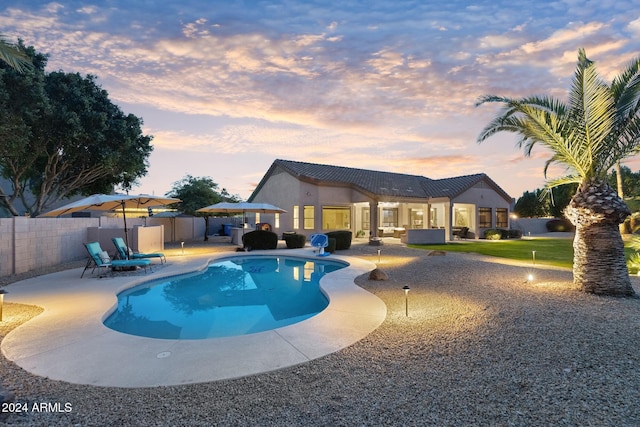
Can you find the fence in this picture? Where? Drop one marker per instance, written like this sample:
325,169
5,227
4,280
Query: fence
32,243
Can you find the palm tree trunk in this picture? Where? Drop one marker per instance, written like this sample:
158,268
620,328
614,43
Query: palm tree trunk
599,265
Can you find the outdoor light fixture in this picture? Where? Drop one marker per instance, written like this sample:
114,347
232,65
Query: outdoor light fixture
2,292
406,289
182,244
379,255
530,277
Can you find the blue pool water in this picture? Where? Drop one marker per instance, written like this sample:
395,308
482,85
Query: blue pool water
237,296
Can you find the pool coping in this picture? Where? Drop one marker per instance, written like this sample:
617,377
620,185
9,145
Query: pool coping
69,342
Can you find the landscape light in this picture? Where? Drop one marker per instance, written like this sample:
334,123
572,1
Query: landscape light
406,289
182,244
379,255
2,292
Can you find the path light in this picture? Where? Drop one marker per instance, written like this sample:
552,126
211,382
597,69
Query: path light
2,292
406,289
379,256
182,244
530,275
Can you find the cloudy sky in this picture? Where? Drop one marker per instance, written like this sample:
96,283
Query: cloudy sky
226,87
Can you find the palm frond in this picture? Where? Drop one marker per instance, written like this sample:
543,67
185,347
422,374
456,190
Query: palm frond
13,56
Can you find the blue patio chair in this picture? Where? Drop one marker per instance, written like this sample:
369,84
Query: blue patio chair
122,248
100,259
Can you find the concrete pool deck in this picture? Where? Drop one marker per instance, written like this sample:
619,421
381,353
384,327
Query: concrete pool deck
69,342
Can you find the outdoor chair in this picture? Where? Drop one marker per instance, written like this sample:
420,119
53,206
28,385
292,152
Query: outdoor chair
460,232
122,248
100,259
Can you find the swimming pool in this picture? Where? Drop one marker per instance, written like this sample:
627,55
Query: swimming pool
235,296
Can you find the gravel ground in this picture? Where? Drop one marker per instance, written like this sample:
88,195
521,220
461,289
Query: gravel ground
480,347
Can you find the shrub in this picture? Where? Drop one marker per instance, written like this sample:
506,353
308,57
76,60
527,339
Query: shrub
260,239
343,238
557,225
493,234
633,264
294,240
515,234
331,247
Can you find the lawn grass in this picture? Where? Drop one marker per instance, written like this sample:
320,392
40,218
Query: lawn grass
557,252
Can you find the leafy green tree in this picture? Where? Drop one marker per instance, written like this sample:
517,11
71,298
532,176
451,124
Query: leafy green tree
630,181
61,136
598,127
529,205
196,193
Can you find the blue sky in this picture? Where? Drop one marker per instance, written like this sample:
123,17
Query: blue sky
226,87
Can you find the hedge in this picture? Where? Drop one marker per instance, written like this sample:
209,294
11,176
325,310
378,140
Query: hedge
343,238
260,239
294,240
556,225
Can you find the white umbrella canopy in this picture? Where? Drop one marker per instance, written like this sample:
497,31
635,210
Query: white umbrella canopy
228,207
108,202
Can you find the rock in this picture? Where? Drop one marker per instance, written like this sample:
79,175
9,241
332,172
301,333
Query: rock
437,253
378,274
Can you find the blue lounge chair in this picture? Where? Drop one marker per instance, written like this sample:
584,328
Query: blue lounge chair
100,259
122,248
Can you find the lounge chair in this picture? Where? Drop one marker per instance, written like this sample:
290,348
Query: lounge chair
122,248
100,259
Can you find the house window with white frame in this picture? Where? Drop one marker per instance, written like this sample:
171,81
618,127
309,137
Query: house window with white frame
296,217
309,217
336,218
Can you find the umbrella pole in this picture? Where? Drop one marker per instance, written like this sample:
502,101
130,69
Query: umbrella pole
126,233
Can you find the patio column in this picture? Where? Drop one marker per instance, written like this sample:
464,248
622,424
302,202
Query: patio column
448,220
373,219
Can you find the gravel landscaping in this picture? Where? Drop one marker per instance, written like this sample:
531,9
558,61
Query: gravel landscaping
481,346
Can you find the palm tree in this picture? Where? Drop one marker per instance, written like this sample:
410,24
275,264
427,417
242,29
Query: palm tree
598,127
13,56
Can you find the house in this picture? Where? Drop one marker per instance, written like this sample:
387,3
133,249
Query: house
320,198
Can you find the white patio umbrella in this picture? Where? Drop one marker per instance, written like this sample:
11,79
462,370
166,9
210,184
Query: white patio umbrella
229,207
109,202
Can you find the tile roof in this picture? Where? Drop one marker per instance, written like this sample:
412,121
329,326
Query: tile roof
379,183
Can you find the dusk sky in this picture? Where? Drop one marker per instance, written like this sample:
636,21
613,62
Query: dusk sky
226,87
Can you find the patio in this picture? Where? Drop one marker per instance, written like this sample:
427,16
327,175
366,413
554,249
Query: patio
480,346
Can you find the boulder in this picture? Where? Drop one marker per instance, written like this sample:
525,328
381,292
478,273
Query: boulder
378,274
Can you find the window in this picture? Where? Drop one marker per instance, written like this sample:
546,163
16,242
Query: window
484,216
336,217
390,217
366,219
434,218
502,217
416,218
296,217
309,220
462,217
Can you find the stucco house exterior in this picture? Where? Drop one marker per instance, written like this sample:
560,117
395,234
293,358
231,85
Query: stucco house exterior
320,198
